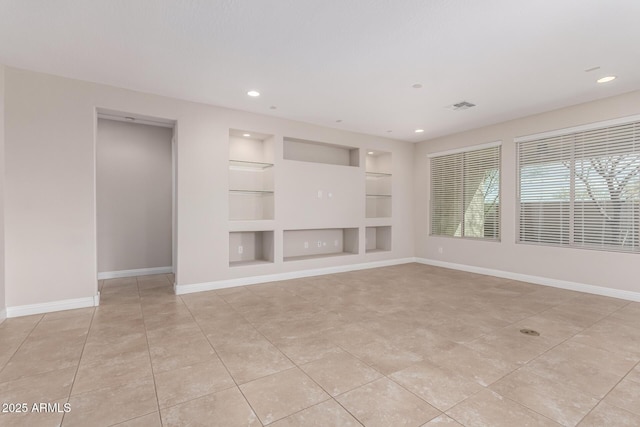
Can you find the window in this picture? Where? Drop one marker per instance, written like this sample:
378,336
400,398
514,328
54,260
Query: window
582,188
465,193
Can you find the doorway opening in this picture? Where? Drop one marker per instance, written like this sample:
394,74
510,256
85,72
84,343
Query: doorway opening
135,173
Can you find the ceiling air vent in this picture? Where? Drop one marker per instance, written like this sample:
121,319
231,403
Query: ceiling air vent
464,105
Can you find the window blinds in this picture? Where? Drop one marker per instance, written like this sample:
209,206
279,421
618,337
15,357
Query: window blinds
465,194
582,189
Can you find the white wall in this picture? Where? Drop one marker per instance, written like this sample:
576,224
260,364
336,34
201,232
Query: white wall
605,269
50,192
133,182
2,273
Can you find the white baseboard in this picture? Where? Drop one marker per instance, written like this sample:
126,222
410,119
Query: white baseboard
131,273
243,281
3,314
563,284
48,307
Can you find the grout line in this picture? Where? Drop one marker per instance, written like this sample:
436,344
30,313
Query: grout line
146,337
75,375
237,386
21,344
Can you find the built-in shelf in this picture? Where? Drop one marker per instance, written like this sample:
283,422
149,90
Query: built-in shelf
250,248
378,184
250,165
377,239
251,190
377,174
319,243
307,257
266,192
320,152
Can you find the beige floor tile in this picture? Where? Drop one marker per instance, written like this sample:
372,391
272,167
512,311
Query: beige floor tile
443,421
308,348
227,408
44,354
47,387
472,364
625,395
384,403
253,359
280,395
490,409
628,315
324,414
101,348
152,278
383,356
111,372
176,353
563,404
608,415
634,375
149,420
190,382
80,312
588,369
611,336
340,372
440,387
442,333
511,346
549,327
113,405
35,419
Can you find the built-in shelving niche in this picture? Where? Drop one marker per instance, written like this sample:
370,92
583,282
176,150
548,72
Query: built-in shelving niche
320,152
319,243
251,191
250,248
377,239
378,184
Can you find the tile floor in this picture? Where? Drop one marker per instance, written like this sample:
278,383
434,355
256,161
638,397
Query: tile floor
407,345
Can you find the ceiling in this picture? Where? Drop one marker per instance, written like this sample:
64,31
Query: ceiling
347,64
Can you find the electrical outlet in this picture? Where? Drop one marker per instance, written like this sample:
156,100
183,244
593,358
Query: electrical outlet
306,245
330,195
240,250
319,243
319,194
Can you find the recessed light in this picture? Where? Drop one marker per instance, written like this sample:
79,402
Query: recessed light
389,131
416,86
246,134
338,121
419,130
253,93
131,119
370,153
606,79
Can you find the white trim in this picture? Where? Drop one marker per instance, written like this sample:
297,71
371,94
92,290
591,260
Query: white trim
545,281
252,280
581,128
48,307
3,314
136,272
465,149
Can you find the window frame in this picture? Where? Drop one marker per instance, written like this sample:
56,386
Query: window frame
565,132
463,150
